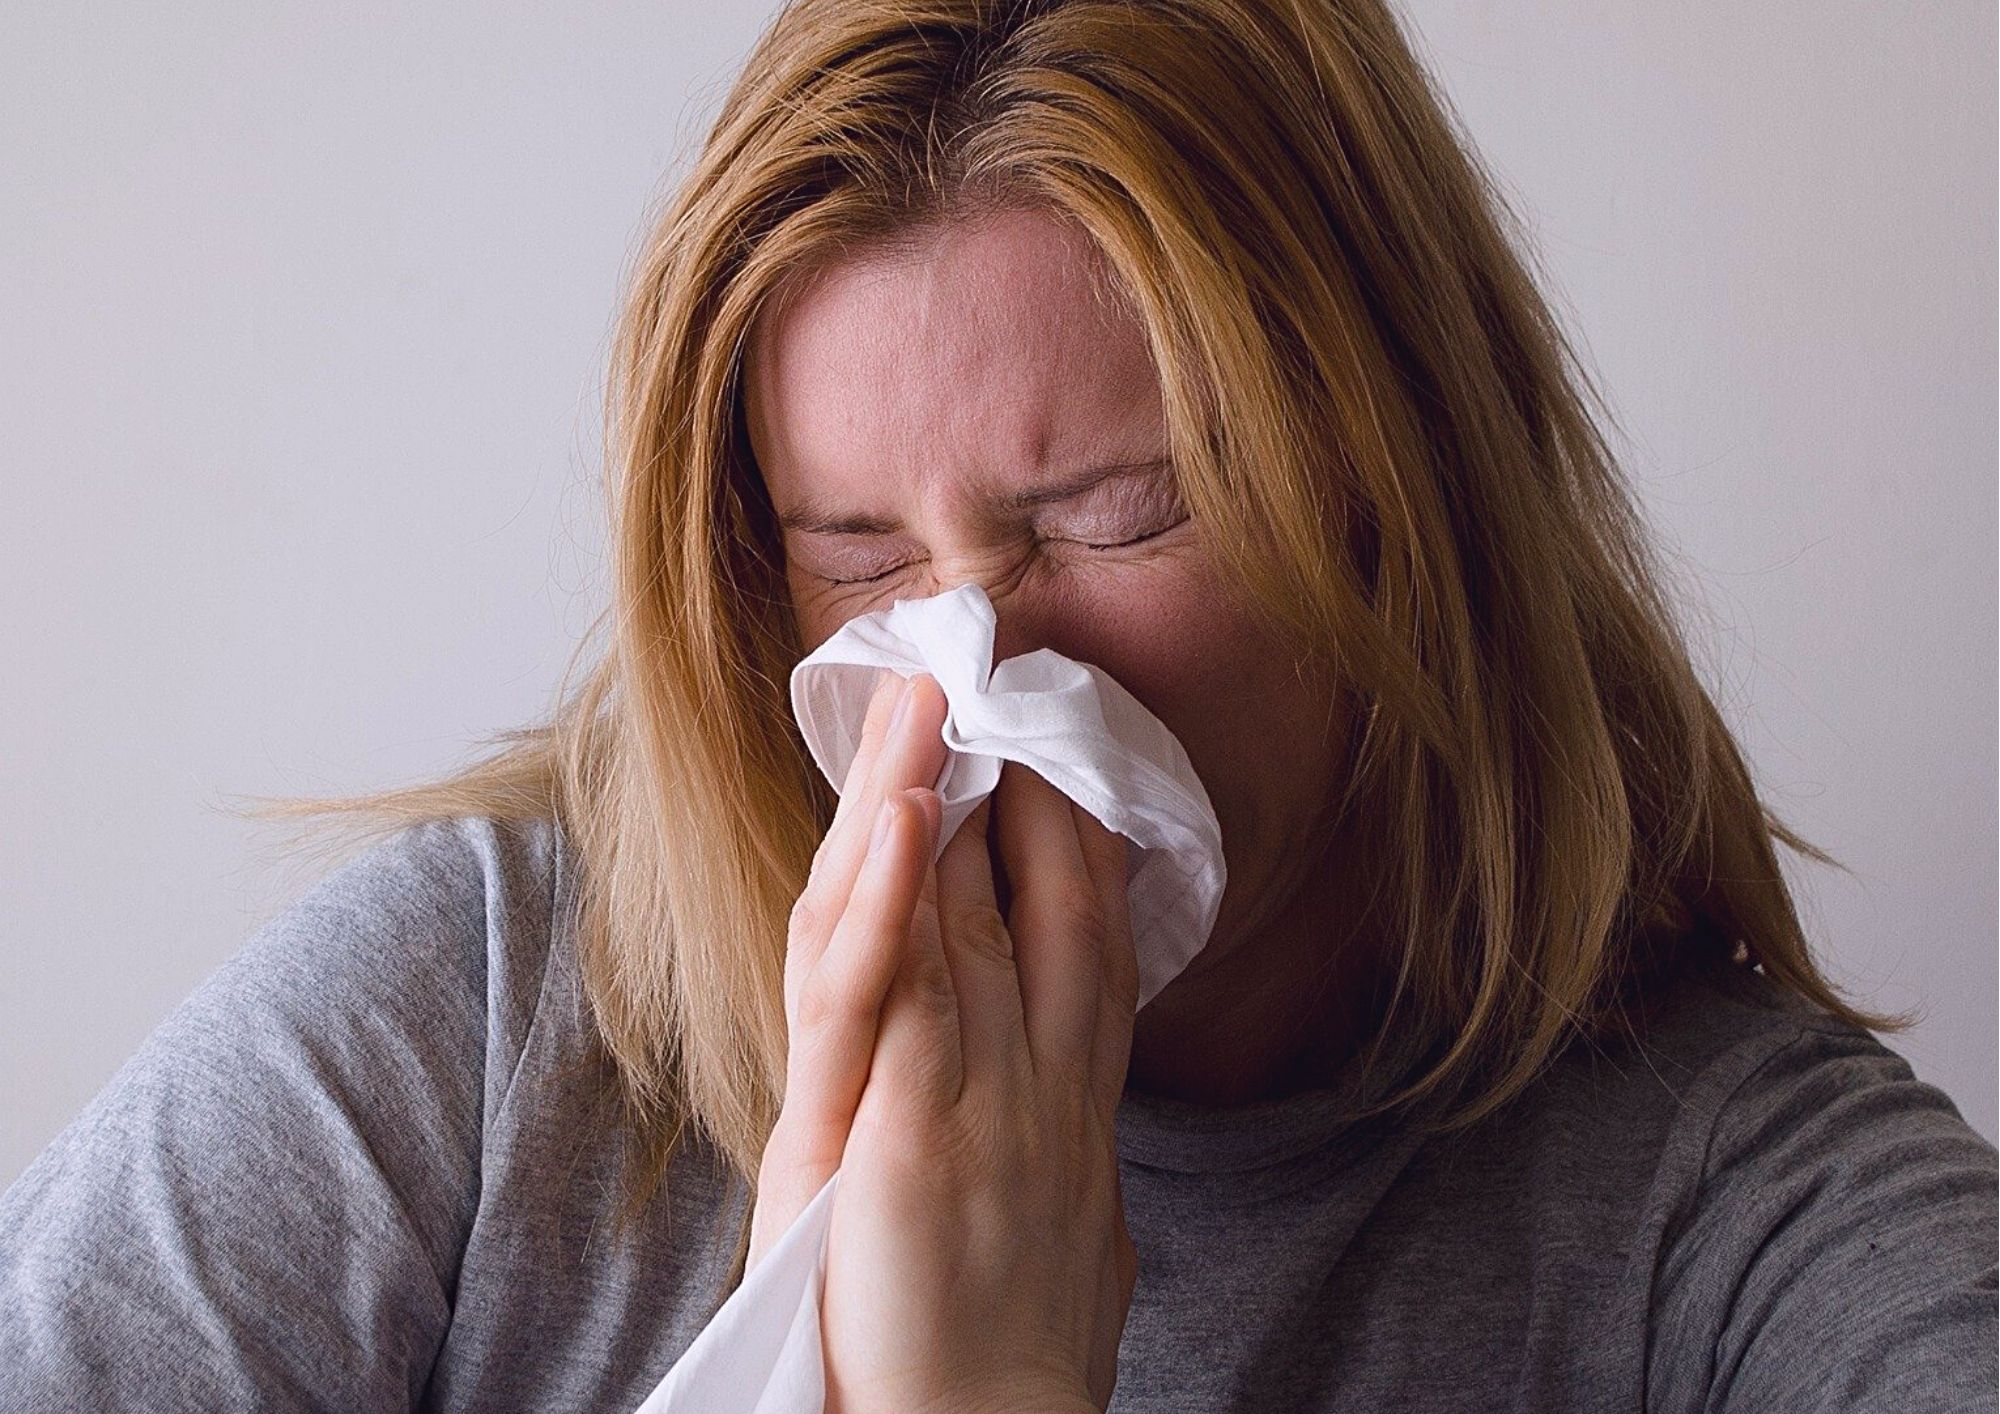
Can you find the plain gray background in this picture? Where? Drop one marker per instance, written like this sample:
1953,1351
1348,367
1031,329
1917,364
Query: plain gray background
303,314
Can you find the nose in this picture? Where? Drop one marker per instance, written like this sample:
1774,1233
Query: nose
1011,638
1023,620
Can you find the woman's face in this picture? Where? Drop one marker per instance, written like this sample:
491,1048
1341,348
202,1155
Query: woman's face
972,414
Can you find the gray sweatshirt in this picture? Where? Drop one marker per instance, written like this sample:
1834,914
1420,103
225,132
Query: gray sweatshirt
368,1166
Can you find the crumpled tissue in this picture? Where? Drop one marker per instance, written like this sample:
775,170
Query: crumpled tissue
1087,736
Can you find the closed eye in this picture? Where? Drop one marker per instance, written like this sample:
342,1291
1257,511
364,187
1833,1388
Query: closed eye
1084,544
1137,539
864,579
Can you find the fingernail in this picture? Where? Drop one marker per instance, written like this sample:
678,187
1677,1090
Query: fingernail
885,815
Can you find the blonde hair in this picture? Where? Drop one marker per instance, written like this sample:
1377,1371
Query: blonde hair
1375,417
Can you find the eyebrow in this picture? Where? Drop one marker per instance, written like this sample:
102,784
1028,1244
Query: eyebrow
815,518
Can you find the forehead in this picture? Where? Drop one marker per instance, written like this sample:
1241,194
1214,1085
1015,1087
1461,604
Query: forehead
996,347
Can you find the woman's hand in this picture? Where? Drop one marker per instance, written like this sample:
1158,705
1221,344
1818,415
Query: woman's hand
963,1072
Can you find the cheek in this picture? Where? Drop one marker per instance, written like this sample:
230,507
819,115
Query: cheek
1175,647
1185,648
1261,740
819,608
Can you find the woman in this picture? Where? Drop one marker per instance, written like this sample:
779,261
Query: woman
1192,333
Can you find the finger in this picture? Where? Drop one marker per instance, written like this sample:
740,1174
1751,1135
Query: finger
1106,855
834,1034
1056,918
919,1056
902,751
992,1033
811,909
882,701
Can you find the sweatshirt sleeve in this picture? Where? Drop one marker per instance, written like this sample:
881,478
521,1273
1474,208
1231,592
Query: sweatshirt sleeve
1839,1252
265,1207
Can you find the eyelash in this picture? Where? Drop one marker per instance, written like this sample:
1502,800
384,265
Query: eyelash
1114,545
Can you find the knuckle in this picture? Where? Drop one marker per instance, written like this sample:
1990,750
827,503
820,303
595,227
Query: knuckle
1083,912
930,982
976,927
798,1166
901,1117
807,918
825,1004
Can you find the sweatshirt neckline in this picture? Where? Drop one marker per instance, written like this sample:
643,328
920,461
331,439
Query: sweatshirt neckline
1158,1131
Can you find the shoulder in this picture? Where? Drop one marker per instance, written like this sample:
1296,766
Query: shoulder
1824,1218
1721,1064
305,1133
444,896
1752,1203
1619,1128
1763,1083
416,964
451,917
1756,1095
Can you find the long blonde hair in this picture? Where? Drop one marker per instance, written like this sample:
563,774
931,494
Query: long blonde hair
1382,428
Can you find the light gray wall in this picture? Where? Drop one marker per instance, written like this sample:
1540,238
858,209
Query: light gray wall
302,317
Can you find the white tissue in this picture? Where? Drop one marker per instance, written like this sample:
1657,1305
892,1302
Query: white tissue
1094,742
